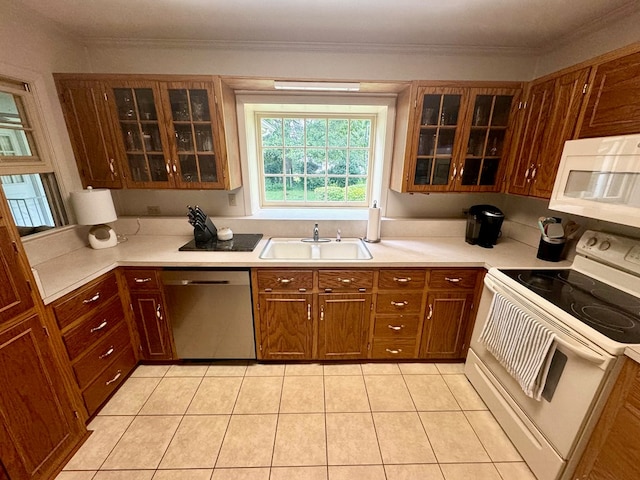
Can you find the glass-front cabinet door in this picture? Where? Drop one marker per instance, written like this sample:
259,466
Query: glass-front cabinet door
437,139
140,123
482,161
191,132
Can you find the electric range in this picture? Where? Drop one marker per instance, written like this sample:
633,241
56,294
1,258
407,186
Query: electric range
241,242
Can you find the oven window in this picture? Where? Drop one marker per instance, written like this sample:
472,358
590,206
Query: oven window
619,188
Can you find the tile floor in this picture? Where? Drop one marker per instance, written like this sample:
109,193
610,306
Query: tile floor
279,422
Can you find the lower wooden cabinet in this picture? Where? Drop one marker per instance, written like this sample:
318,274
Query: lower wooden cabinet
343,330
446,325
38,427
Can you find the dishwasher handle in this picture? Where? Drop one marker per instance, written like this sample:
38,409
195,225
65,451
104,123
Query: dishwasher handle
196,282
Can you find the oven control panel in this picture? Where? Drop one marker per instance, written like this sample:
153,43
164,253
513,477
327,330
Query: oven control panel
616,250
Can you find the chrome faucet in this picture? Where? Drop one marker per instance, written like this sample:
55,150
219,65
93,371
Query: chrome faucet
316,233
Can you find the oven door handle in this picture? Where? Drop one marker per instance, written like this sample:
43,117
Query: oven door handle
576,349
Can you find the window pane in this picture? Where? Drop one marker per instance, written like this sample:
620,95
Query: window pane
336,191
294,160
271,132
272,160
294,132
316,161
316,189
274,189
316,132
358,162
338,133
295,189
16,139
337,162
357,190
360,133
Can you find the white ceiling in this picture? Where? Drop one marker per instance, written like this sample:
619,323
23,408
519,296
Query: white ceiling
518,24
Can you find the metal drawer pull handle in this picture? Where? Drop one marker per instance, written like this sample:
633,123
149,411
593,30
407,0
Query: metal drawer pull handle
453,280
308,311
395,352
430,312
395,327
142,280
99,327
322,312
346,281
92,299
399,304
402,279
107,353
109,382
284,280
158,312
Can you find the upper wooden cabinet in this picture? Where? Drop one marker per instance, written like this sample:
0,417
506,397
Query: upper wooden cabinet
614,98
145,132
455,140
548,119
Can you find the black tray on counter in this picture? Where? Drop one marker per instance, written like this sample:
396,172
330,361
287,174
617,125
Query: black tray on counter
241,242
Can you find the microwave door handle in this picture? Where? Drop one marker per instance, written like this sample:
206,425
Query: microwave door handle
576,349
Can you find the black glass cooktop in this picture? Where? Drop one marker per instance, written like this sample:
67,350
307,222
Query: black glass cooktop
241,242
608,310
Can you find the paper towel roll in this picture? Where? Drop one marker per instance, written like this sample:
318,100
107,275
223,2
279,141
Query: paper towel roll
373,225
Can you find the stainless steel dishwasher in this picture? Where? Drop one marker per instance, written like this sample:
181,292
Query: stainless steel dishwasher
210,312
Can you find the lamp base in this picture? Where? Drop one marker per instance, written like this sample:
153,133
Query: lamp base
102,236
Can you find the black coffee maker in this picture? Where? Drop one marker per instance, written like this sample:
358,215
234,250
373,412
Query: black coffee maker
483,225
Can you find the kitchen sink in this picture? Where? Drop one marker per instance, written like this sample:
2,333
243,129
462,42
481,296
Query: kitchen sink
296,249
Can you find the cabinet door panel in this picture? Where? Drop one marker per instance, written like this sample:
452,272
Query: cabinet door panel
152,324
446,324
286,326
343,326
15,294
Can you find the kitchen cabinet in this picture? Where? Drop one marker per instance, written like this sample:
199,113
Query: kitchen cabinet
613,451
449,312
154,132
457,139
548,119
15,295
150,313
613,107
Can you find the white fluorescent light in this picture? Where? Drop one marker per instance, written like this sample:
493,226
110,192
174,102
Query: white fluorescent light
317,86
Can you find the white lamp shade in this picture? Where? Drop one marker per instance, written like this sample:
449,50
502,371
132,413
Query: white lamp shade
93,206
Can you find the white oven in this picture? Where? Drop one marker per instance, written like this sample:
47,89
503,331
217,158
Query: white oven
550,434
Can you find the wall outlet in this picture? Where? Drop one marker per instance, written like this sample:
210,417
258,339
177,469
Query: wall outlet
232,200
153,210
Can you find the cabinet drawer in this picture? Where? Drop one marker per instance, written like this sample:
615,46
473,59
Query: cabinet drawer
345,279
288,280
85,300
460,278
395,348
394,326
142,279
93,328
100,356
109,380
402,279
399,302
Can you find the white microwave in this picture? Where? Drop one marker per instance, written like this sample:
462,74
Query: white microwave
600,178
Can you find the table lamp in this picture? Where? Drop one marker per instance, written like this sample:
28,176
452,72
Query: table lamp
95,207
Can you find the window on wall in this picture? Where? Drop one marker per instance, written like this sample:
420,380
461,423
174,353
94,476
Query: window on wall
315,160
17,132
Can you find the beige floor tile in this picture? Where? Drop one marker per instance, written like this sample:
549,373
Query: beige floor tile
143,444
131,396
187,371
215,395
248,442
259,395
380,369
388,393
124,475
450,368
466,471
351,439
418,368
342,369
304,369
430,393
106,433
241,474
492,437
265,370
227,369
452,438
172,396
304,394
150,371
365,472
514,471
300,440
190,474
464,393
413,472
79,475
345,394
196,443
298,473
402,438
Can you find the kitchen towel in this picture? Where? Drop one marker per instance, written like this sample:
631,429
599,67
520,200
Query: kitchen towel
520,343
373,224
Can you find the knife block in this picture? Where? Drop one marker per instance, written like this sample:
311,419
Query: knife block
205,233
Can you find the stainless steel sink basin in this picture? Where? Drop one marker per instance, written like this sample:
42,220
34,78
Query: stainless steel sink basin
296,249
